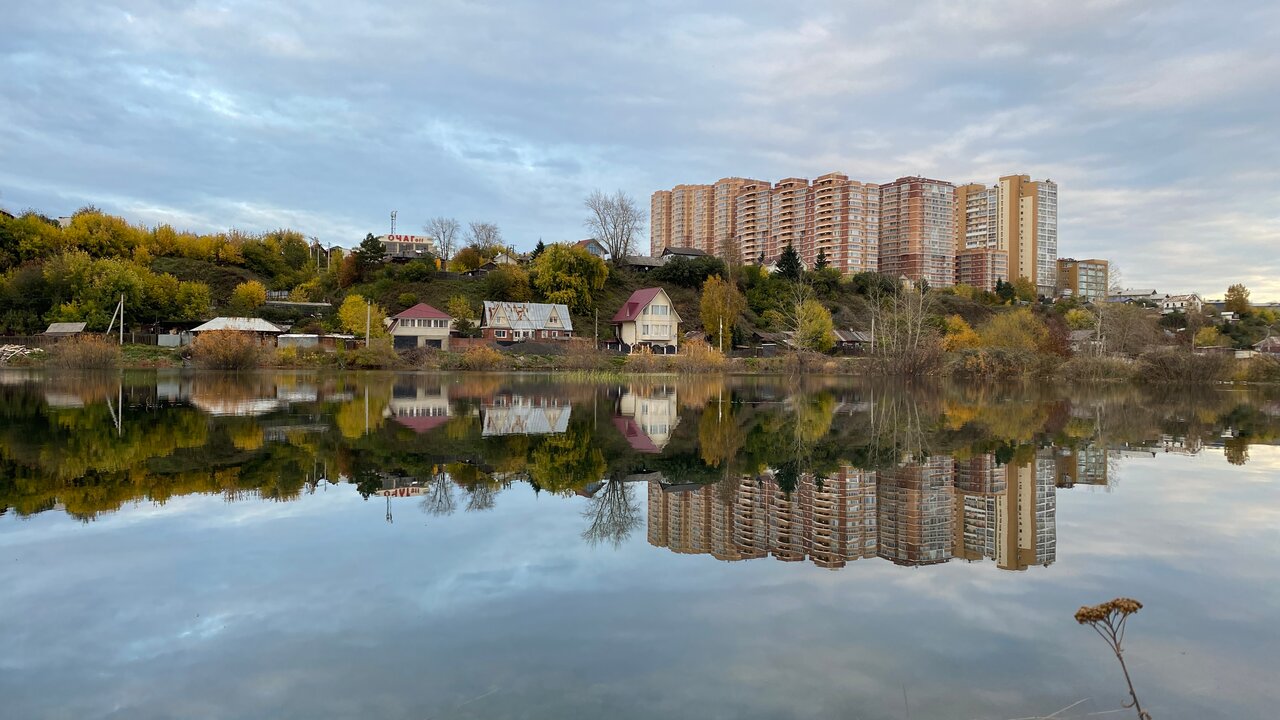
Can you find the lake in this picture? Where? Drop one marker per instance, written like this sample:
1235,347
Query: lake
309,545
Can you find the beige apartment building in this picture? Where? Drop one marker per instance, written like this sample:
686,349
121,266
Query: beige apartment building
1018,217
845,224
1085,279
696,216
752,210
917,230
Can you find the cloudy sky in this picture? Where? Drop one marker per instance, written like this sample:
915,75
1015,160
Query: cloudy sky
1158,119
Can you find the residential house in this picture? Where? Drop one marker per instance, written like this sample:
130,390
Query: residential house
1132,295
648,318
1181,303
1269,345
503,258
420,326
265,332
514,321
854,341
594,247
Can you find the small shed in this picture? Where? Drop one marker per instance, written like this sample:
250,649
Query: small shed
64,329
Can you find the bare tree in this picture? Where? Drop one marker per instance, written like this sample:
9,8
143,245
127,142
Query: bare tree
615,221
904,338
445,230
613,512
485,237
439,498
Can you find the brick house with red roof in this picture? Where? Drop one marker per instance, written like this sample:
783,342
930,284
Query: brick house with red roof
420,326
648,318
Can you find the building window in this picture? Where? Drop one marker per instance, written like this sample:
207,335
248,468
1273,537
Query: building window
500,333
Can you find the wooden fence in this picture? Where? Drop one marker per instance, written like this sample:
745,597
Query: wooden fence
43,341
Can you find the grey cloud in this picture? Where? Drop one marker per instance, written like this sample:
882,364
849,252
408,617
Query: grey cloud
332,114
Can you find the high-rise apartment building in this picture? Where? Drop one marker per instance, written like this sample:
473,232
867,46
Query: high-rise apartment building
1017,217
846,224
751,219
917,230
1027,227
1085,279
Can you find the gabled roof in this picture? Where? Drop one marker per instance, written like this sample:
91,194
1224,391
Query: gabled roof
420,311
639,299
65,328
687,251
525,316
853,336
242,324
635,435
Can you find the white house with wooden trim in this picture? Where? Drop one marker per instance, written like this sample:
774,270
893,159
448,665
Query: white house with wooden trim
648,319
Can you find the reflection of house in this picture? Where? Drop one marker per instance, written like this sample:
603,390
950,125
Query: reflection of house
648,319
648,418
511,321
419,407
524,415
420,326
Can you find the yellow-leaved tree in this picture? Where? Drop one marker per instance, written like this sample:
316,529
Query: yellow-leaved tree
247,297
355,313
959,334
814,328
722,306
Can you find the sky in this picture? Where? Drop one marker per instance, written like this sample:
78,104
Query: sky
1157,119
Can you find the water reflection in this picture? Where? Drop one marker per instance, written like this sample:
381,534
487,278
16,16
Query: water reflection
829,472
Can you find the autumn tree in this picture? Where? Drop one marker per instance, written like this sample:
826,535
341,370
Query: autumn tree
1080,319
814,327
569,274
464,316
445,231
510,283
247,297
1208,336
466,260
722,308
959,335
356,313
1237,300
1019,329
615,221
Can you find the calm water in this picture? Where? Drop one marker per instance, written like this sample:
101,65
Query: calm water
442,546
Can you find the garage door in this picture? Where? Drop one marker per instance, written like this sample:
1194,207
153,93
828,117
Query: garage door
406,342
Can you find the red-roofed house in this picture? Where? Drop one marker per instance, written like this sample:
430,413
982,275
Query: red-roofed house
648,318
420,326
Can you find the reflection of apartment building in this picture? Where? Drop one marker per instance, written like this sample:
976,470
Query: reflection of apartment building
914,505
646,417
917,230
1083,466
1006,513
828,521
524,415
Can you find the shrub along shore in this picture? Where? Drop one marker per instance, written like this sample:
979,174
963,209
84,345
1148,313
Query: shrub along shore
228,350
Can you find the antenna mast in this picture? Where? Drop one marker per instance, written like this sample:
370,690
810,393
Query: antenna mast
393,222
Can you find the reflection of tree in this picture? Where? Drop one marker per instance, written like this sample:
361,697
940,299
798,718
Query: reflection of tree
565,463
613,514
439,498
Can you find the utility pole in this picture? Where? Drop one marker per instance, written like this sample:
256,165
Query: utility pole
722,334
368,317
121,319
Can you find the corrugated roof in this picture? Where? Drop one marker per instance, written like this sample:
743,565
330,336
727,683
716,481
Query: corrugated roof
630,309
421,311
526,316
65,328
242,324
686,251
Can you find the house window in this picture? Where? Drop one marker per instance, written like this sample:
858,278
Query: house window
500,333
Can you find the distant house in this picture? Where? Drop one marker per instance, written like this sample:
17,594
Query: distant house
64,329
512,321
594,247
858,341
481,271
1269,345
1084,341
420,326
648,319
504,259
1181,303
265,331
685,252
1131,295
